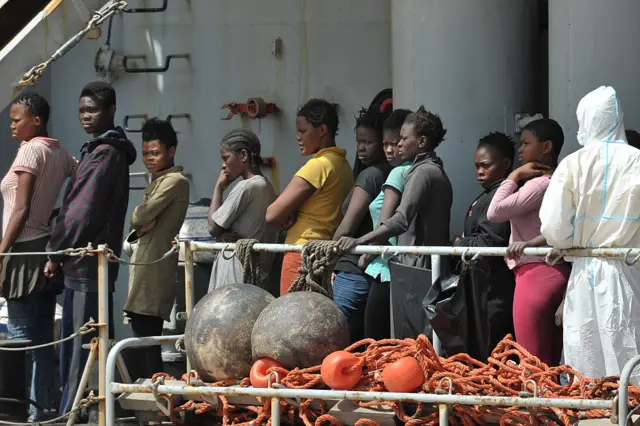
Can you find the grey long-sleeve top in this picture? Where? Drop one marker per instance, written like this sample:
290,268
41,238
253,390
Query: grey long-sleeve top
422,218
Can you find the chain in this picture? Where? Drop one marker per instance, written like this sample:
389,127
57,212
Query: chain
84,403
98,18
179,345
79,252
87,328
113,258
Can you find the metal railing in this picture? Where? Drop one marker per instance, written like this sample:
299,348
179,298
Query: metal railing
99,345
552,256
109,360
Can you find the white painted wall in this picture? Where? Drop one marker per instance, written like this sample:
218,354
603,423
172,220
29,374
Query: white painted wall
471,62
337,49
592,43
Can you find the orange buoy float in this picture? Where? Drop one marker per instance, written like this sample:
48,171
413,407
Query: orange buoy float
341,370
403,375
258,374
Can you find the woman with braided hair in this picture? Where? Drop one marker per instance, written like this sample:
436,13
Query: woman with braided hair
242,213
371,168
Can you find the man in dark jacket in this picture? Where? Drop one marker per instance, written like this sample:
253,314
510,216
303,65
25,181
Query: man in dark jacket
93,211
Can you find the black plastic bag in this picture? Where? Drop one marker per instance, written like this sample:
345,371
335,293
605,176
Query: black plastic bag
446,309
456,307
409,286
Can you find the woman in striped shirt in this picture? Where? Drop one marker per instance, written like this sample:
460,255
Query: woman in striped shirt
29,191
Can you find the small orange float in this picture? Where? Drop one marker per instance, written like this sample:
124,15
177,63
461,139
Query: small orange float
403,375
341,370
258,374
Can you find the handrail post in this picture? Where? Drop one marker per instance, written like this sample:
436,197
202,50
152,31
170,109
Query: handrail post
189,296
435,276
103,331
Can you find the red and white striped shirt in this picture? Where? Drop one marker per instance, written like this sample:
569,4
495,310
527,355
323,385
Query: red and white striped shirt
51,165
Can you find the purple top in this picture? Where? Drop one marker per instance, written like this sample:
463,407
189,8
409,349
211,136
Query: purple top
522,208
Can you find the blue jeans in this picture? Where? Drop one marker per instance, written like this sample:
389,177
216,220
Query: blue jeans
350,292
31,317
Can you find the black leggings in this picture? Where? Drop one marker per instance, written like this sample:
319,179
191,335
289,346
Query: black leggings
149,360
377,313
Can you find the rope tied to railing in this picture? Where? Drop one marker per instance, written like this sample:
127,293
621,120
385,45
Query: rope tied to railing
318,260
84,403
250,261
88,327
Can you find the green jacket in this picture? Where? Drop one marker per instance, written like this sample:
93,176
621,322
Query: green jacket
152,288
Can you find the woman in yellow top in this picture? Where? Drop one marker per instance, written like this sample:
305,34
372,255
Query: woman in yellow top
310,206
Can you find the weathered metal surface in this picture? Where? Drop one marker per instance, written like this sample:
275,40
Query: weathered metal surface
45,34
112,360
145,401
467,252
348,413
104,343
576,404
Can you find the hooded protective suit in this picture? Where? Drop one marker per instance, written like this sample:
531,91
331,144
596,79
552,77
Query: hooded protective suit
593,201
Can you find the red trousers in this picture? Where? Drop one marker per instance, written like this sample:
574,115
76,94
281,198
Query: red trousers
290,265
539,291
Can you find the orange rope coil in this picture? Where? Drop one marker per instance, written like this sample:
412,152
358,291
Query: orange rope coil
499,376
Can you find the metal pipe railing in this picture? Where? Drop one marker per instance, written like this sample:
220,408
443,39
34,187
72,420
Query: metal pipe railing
623,390
110,367
442,400
629,255
103,331
625,253
430,398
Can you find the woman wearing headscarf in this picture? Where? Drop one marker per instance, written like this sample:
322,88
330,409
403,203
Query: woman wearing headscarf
593,201
242,213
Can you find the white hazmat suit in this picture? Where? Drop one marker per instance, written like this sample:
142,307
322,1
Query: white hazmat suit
593,201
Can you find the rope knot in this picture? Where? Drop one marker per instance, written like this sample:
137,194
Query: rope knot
250,261
318,260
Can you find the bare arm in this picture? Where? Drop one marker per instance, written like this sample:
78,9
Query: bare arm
293,196
382,233
20,213
509,202
356,212
389,204
515,250
216,201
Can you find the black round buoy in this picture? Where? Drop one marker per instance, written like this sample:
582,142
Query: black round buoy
299,329
218,333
